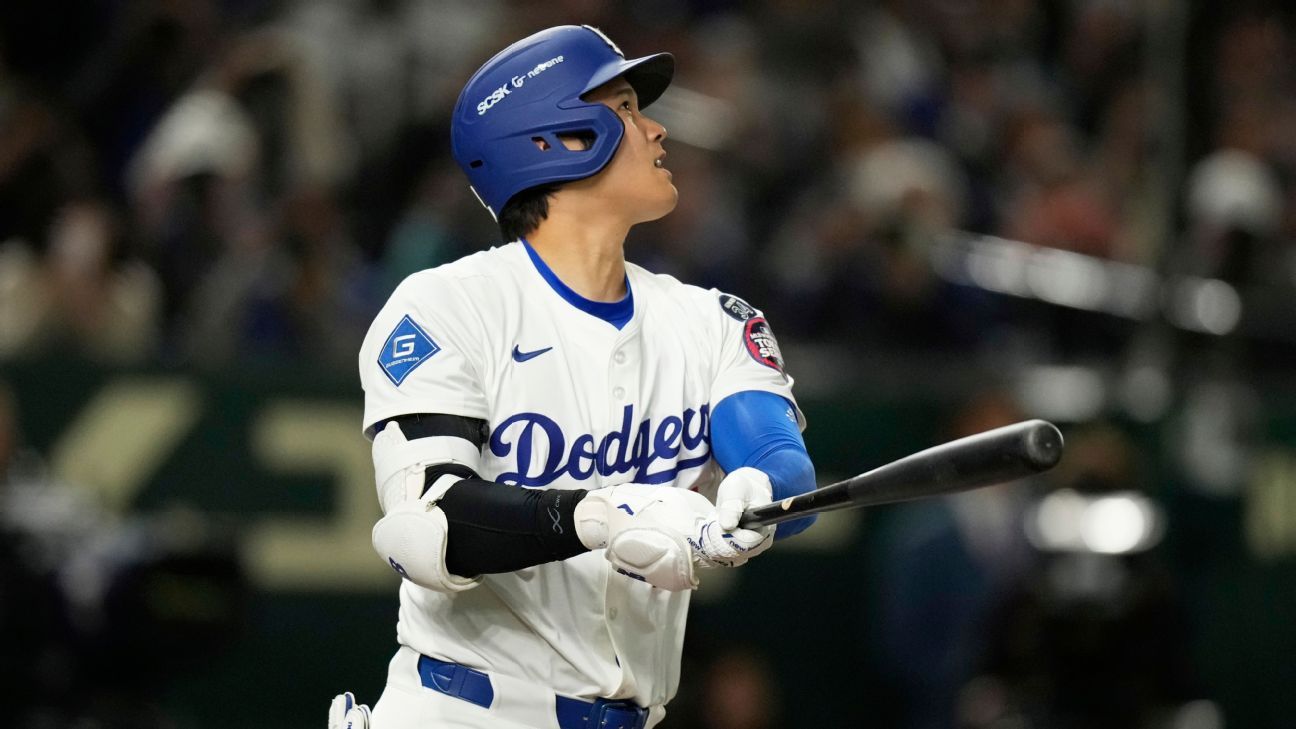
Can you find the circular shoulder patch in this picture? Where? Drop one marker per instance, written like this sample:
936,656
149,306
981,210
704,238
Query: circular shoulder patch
736,307
761,344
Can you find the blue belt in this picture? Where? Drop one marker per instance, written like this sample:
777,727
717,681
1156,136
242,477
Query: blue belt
475,687
599,714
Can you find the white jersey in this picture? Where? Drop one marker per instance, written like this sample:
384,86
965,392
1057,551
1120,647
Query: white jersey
572,402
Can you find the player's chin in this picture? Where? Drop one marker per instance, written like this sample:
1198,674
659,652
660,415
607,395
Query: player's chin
654,198
657,205
666,200
662,210
672,199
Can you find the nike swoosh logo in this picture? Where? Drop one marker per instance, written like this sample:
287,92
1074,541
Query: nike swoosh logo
520,356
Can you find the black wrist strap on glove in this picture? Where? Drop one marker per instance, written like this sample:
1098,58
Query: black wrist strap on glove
494,527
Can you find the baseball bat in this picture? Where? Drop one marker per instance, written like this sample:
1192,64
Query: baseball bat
992,457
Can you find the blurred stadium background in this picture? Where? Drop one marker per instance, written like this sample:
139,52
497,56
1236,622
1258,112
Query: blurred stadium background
957,213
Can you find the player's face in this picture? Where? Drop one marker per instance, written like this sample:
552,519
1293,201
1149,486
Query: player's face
636,180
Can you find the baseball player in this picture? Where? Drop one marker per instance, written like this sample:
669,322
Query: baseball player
561,439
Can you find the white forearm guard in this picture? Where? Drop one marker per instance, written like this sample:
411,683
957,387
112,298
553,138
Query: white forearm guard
411,538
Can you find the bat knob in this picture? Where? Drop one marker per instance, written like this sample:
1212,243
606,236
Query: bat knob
1043,445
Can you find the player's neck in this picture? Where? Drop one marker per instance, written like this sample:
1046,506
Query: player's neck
588,257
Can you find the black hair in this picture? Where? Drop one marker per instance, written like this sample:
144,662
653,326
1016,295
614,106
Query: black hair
524,212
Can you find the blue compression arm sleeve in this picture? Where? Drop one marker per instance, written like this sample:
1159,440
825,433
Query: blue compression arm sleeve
759,429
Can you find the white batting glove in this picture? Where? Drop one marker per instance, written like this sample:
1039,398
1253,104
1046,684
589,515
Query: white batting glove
744,488
345,713
740,490
643,530
716,546
661,534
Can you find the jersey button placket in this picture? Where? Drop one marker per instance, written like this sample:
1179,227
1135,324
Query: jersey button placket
623,375
616,598
623,379
619,374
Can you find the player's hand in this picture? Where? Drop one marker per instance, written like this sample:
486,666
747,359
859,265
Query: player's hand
345,713
712,545
661,534
740,490
716,546
644,532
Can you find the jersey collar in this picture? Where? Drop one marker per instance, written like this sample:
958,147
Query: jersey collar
616,313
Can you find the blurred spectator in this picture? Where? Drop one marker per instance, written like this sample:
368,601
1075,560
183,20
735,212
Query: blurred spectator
76,296
442,222
44,161
193,192
238,193
1094,634
734,687
1235,208
1100,52
740,693
947,563
99,611
1051,202
30,619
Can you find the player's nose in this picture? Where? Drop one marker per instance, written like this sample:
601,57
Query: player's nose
655,131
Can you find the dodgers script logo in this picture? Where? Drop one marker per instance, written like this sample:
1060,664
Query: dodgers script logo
656,452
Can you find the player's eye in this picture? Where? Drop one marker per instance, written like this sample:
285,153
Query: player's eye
625,106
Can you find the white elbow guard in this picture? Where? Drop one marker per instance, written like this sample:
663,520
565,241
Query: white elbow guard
400,464
411,538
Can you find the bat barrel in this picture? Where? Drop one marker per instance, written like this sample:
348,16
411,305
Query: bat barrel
995,456
1041,444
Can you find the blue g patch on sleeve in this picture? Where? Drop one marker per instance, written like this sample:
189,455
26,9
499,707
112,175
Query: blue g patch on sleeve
405,349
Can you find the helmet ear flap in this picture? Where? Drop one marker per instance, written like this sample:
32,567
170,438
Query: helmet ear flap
532,163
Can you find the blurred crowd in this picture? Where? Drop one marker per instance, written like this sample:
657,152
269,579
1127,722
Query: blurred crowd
99,611
199,182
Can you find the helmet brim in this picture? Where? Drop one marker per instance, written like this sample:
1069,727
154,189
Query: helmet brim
648,76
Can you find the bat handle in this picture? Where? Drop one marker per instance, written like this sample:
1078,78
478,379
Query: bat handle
752,519
794,507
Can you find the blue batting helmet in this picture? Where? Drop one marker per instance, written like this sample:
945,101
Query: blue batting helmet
532,91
